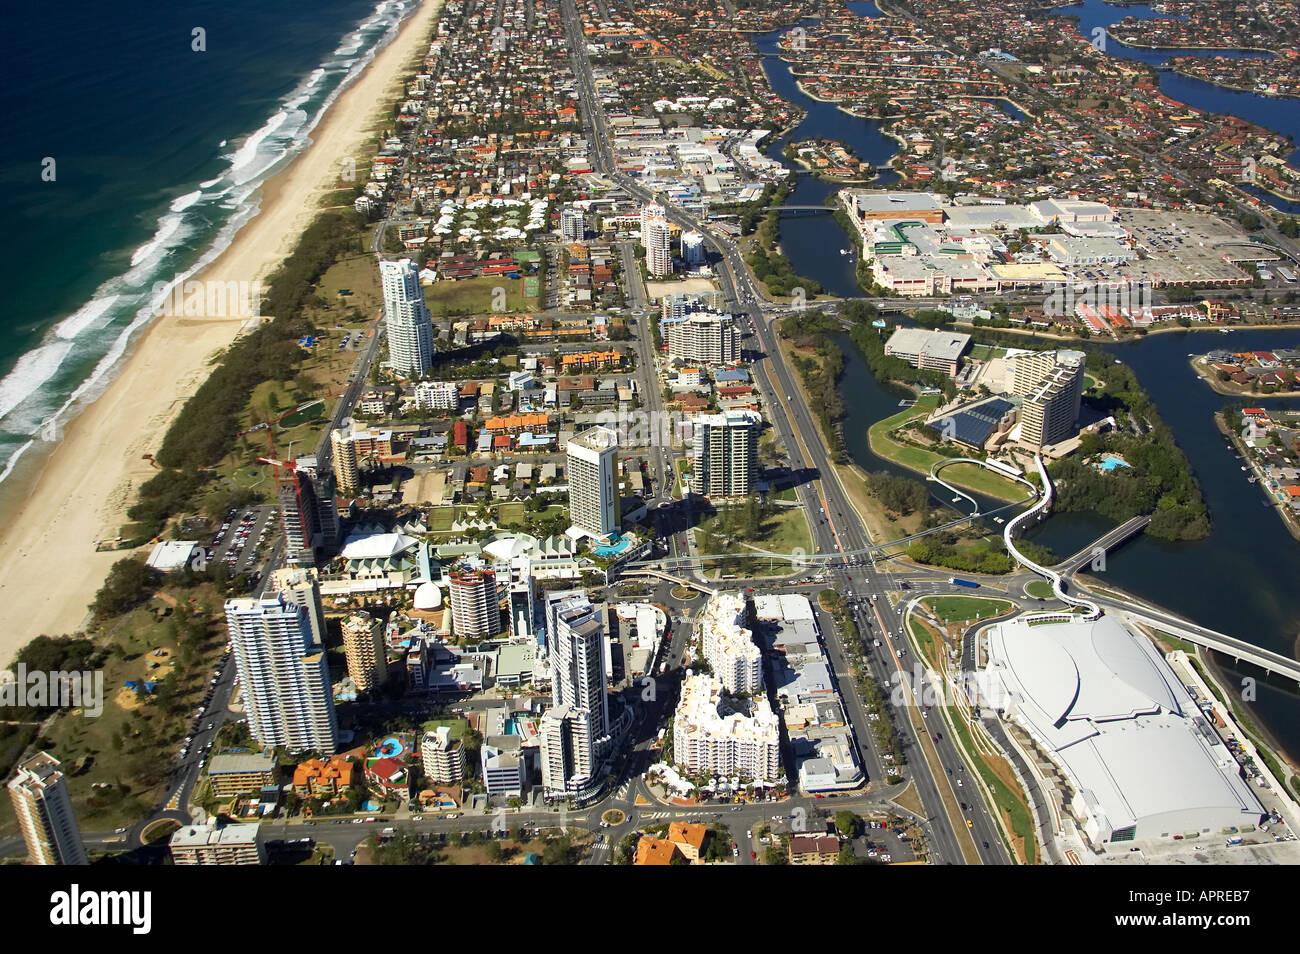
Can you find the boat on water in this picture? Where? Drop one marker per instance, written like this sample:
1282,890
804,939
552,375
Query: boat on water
844,251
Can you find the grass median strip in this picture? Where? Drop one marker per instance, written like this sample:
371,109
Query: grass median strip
1008,797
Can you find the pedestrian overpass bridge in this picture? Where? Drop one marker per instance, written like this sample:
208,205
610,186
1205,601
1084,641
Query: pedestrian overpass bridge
1238,649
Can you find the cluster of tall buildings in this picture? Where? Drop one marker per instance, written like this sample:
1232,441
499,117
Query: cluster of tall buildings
409,323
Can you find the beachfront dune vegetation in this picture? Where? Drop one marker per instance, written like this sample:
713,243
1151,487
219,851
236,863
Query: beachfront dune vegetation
206,428
129,583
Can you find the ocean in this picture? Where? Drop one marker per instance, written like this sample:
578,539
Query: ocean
132,158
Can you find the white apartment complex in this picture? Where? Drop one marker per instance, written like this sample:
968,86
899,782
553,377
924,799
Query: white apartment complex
437,396
702,338
729,646
410,326
710,737
693,250
572,224
592,459
443,757
568,752
218,845
280,656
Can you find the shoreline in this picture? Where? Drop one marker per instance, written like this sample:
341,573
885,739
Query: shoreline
1165,327
1288,521
1230,86
1199,365
1213,670
63,501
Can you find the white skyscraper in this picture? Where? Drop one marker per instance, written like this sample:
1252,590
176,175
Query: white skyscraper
576,650
593,497
693,252
656,236
44,811
575,731
651,211
567,752
277,641
572,225
475,606
410,326
729,645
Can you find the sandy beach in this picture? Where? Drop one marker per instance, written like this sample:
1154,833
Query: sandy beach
49,569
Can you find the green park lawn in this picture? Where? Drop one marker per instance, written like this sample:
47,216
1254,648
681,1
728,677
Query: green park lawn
954,609
474,296
967,476
1039,589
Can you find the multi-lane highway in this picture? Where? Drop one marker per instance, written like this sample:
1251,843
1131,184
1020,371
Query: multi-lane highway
836,527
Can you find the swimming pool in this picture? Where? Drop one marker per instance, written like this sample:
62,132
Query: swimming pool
1109,463
390,748
612,549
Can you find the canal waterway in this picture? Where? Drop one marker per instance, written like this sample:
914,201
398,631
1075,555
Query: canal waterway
1242,579
1272,112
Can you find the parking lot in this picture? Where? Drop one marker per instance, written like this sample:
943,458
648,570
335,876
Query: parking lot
242,535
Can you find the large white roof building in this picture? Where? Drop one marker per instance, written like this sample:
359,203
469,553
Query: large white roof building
729,646
710,736
1104,706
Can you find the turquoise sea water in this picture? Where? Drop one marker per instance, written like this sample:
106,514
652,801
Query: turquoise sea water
157,152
